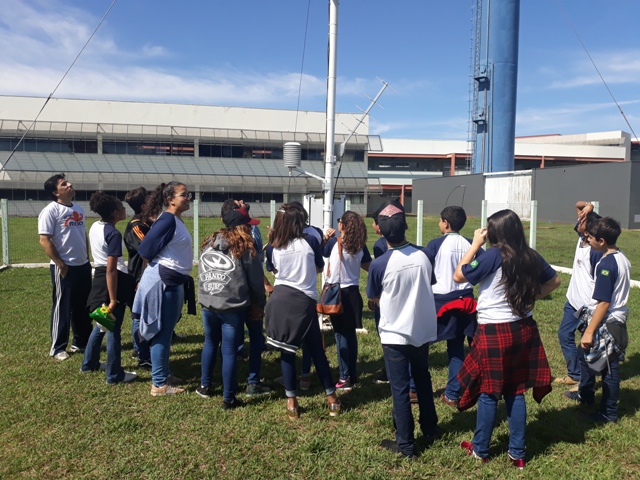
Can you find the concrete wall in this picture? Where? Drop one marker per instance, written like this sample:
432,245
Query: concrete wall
558,189
435,192
634,196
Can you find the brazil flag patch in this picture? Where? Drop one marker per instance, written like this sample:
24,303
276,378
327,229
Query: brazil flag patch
474,264
605,273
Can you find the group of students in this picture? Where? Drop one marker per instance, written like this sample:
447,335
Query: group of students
419,296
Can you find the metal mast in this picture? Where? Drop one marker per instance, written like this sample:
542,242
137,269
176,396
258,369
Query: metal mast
329,152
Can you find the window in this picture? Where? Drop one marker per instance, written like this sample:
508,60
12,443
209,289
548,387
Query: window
139,147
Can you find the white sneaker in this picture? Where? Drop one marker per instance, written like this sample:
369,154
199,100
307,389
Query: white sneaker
75,349
129,376
61,356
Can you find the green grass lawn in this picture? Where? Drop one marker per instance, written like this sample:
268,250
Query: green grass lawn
58,423
556,242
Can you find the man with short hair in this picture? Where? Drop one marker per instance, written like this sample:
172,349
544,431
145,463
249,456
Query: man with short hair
63,237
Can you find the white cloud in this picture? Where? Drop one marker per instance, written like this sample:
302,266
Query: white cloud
40,40
620,67
574,118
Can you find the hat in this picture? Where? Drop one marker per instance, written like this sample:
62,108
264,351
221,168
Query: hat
383,206
238,216
392,221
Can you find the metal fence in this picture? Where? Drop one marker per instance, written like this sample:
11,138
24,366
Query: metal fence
20,240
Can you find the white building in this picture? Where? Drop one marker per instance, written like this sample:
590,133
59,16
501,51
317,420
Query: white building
223,152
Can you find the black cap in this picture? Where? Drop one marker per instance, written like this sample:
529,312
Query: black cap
392,221
238,216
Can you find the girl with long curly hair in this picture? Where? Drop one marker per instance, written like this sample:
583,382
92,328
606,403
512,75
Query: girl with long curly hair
230,288
347,255
507,357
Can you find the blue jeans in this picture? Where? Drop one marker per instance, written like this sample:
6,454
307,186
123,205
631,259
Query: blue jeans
256,347
172,302
224,329
567,337
397,359
140,345
486,420
455,351
610,385
347,346
91,361
313,343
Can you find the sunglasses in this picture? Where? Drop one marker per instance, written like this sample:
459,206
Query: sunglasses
188,196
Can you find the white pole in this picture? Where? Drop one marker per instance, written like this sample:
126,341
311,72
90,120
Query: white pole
533,224
420,219
196,225
272,206
483,214
330,158
4,205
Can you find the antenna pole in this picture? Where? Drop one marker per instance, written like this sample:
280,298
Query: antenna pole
329,152
364,115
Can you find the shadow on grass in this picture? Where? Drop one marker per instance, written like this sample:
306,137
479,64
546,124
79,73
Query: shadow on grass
630,367
561,425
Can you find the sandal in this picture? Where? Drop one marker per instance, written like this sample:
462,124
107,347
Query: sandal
334,408
292,413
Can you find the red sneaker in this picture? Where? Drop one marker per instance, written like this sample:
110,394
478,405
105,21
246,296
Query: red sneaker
519,463
468,447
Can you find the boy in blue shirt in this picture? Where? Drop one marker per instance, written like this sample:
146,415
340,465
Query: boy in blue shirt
608,315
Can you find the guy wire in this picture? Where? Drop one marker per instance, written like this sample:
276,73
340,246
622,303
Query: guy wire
3,167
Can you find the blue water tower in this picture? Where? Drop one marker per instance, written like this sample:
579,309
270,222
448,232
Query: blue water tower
495,89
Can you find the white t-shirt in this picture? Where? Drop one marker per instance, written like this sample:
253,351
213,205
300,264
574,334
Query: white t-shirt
106,241
296,264
612,282
402,279
168,243
67,228
486,270
346,271
445,253
583,276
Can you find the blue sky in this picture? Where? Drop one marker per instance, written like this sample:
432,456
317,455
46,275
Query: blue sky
249,53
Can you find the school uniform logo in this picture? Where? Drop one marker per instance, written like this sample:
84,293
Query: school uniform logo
474,264
215,266
75,220
605,273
